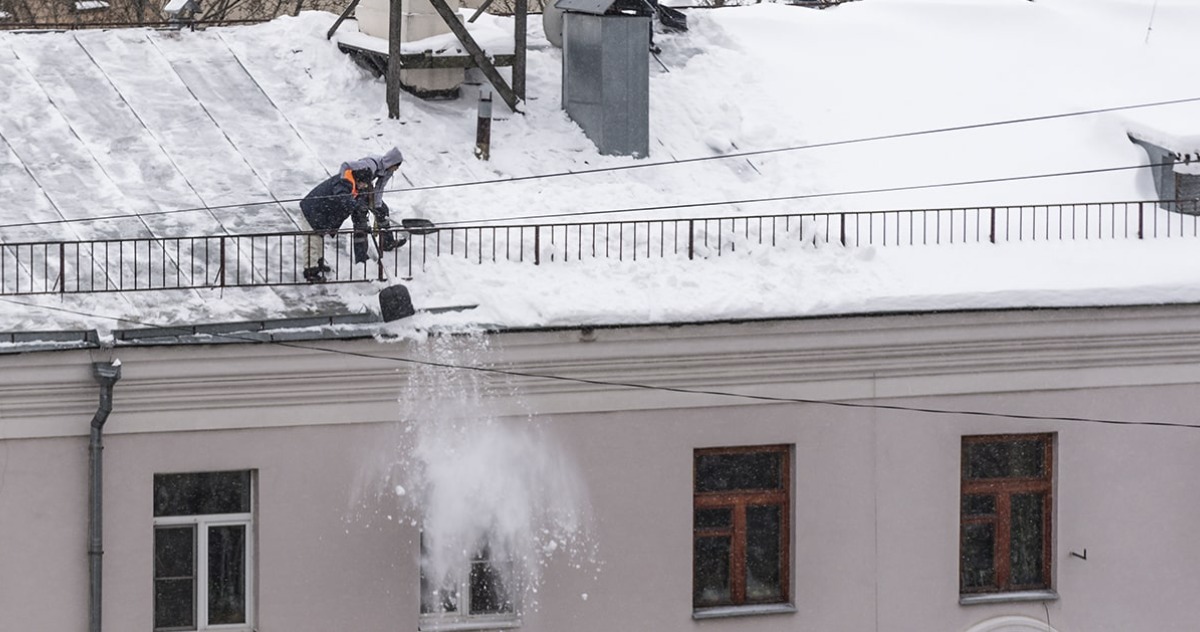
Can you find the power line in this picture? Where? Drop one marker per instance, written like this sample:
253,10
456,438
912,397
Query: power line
823,145
646,165
687,205
651,387
804,196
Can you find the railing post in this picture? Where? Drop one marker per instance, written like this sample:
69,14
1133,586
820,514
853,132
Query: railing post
1141,219
842,216
691,239
63,269
379,251
537,245
992,231
222,268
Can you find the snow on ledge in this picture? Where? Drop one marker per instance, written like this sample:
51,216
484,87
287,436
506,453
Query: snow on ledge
489,32
1175,129
90,5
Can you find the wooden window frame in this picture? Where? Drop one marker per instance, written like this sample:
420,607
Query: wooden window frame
737,502
1003,489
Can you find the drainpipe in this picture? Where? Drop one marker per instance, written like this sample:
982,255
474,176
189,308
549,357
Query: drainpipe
107,375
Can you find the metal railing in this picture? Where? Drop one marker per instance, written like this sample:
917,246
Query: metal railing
119,265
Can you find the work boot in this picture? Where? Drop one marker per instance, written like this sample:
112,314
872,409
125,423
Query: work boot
392,239
316,274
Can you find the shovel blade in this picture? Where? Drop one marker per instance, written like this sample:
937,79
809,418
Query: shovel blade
418,226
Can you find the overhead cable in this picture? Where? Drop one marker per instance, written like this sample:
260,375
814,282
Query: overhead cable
647,165
687,205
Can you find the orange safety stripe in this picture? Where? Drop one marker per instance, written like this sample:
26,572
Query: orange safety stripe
349,175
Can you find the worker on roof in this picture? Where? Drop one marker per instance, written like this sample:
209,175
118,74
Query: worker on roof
355,192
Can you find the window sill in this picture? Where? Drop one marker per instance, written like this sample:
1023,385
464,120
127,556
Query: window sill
460,626
1008,597
724,612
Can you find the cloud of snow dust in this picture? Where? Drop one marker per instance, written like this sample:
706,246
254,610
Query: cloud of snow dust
471,480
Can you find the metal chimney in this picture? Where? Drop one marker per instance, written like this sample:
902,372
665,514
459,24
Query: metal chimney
606,74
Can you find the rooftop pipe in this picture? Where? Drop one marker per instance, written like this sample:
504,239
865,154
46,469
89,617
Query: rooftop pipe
107,375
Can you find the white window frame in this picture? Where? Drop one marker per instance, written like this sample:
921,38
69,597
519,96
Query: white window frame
200,555
463,620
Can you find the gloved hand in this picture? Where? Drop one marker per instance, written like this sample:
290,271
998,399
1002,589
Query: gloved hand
360,247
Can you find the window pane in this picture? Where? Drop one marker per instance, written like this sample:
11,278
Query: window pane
711,563
436,599
227,574
1026,540
1027,459
713,518
175,577
763,526
978,563
726,472
175,552
1024,458
201,493
978,505
489,595
174,604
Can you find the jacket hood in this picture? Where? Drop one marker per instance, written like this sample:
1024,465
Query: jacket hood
392,158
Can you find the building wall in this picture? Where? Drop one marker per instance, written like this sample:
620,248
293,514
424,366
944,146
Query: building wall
43,534
875,491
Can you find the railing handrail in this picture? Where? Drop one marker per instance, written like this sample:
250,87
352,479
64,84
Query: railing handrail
490,225
279,258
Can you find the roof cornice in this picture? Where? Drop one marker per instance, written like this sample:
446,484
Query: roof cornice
202,387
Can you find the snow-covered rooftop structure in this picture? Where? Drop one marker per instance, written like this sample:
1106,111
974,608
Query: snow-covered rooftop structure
1172,142
181,9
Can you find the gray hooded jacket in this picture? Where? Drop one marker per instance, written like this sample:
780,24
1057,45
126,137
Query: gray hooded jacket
377,165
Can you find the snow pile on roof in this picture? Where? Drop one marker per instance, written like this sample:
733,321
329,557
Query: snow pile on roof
101,123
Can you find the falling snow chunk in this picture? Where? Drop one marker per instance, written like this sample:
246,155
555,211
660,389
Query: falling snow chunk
583,596
400,491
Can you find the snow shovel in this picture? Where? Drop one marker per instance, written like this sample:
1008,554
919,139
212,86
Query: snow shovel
418,226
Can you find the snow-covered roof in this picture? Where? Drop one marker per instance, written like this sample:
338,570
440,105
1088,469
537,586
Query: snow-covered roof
188,133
